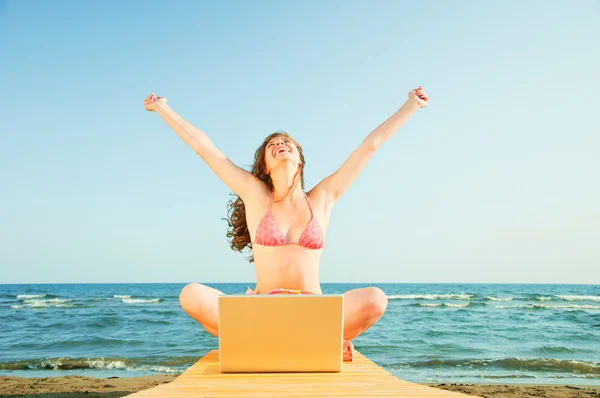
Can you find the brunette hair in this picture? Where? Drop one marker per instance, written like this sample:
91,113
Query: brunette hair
237,232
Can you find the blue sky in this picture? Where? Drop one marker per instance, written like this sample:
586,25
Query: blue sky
496,181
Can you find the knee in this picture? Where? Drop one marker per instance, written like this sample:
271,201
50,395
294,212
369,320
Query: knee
375,302
187,296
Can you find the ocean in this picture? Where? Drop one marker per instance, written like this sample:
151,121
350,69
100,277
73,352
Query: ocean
430,333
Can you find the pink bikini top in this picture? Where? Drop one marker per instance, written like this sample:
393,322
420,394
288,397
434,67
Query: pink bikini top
269,234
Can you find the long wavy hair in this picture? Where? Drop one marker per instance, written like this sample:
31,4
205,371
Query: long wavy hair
237,232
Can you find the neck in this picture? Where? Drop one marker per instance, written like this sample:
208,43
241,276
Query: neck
283,179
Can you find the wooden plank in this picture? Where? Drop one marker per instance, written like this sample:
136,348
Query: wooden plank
359,378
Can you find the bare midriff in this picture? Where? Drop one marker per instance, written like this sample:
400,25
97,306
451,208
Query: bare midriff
287,266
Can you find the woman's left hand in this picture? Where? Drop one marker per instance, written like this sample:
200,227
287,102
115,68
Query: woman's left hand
418,95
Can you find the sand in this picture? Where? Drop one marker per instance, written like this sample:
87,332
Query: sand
89,387
77,386
521,390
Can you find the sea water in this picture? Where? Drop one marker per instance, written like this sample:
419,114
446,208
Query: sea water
482,333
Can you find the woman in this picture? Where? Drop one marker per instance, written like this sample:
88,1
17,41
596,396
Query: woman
282,225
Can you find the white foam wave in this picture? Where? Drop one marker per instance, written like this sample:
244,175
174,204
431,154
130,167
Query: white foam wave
140,301
108,364
499,298
36,303
554,306
450,305
153,368
48,363
461,296
447,305
98,363
30,296
578,298
16,307
543,298
121,296
102,364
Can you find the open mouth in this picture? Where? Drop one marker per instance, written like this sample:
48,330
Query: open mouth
280,150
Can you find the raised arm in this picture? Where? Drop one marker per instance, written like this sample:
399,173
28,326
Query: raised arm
337,183
240,181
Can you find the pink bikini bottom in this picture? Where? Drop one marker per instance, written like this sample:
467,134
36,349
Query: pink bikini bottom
281,290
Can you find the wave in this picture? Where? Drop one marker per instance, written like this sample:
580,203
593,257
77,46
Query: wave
442,305
553,306
30,296
540,298
534,365
461,296
578,298
39,303
140,301
503,376
127,299
125,364
490,298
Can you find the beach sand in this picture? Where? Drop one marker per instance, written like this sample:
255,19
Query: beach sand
88,387
77,386
521,390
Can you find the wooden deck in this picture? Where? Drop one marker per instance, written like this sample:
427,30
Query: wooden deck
360,378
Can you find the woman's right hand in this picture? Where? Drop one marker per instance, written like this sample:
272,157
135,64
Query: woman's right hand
151,102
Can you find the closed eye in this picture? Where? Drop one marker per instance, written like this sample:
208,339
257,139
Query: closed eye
270,144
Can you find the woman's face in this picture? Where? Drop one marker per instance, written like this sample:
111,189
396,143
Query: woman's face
279,150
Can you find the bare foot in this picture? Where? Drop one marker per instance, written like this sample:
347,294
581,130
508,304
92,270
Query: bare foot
348,351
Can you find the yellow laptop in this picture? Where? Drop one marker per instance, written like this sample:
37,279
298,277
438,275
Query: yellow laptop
281,333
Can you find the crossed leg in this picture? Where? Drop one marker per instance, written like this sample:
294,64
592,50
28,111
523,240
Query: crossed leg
202,303
362,309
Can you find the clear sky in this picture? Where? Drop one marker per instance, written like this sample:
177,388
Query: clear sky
496,181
